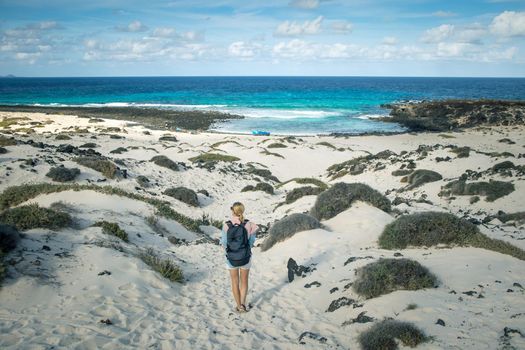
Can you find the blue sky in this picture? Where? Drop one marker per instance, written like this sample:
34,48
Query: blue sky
297,37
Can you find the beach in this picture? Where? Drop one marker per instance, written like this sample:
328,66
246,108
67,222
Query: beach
78,287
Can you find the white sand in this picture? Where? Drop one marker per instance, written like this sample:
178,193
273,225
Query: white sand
60,301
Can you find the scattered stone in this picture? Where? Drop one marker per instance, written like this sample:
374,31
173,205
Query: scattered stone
46,247
107,321
313,336
397,254
296,270
314,283
333,290
354,258
105,272
440,322
361,318
343,301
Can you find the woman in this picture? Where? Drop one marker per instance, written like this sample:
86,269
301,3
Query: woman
238,236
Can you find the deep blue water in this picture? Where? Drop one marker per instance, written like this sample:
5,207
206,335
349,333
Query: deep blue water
300,105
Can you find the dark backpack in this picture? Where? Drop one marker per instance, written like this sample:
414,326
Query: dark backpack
238,249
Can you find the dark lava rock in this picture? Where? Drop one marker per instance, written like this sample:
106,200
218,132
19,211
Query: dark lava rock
314,283
107,321
313,336
361,318
343,301
46,247
440,322
296,270
354,258
105,272
333,290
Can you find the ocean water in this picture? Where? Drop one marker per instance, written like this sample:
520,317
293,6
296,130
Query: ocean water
281,105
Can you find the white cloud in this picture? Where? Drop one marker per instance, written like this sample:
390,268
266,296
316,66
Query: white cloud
164,32
389,40
288,28
438,34
305,4
133,27
444,14
509,23
342,26
244,50
473,33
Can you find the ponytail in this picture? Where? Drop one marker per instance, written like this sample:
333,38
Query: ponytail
238,210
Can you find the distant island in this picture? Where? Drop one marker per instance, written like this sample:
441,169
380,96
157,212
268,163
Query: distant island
8,76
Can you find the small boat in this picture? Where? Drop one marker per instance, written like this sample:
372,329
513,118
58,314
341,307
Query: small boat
260,133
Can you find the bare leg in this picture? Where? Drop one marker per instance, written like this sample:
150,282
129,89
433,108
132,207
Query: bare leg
244,285
234,275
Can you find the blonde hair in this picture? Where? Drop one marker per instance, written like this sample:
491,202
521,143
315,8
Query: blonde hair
238,210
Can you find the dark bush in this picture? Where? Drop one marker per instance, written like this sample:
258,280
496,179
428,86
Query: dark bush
299,192
3,150
388,275
287,227
518,216
9,238
100,164
4,141
306,181
166,267
62,174
168,138
432,228
277,145
401,172
340,197
461,152
492,189
264,173
183,194
119,150
385,334
420,177
248,188
143,181
165,162
32,216
113,229
261,186
505,165
88,145
62,137
213,157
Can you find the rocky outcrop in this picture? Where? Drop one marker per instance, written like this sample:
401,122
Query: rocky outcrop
456,114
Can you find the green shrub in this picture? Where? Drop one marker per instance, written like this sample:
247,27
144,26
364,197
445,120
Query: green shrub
388,275
165,162
340,197
62,137
62,174
353,167
428,229
287,227
401,172
268,153
166,267
4,141
277,145
264,173
143,181
384,335
461,152
183,194
422,176
213,157
100,164
113,229
518,216
217,144
299,192
15,195
31,216
492,189
88,145
326,144
306,181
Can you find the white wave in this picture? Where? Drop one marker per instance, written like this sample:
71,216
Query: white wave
372,116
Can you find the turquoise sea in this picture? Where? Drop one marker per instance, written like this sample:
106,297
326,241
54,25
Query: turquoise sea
281,105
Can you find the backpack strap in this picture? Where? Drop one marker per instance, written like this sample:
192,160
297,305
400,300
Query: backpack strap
229,223
244,222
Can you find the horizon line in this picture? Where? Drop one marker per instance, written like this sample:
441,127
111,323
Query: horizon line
11,76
